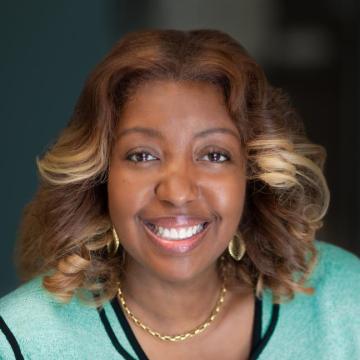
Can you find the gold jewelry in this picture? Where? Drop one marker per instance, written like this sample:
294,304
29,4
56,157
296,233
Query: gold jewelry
115,243
237,247
196,331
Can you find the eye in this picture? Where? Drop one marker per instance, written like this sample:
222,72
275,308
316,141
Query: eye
217,156
140,156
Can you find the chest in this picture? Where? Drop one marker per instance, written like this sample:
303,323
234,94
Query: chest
233,351
229,338
231,347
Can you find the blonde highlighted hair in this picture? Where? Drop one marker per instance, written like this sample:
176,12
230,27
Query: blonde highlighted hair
66,227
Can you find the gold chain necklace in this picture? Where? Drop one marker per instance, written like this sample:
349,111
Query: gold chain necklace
199,329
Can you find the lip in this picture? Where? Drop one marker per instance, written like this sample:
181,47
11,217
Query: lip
173,247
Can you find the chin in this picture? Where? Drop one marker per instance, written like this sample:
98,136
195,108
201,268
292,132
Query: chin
180,270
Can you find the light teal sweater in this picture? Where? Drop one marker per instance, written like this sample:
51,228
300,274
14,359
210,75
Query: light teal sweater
323,326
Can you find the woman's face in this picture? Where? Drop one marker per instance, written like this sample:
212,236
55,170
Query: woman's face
176,182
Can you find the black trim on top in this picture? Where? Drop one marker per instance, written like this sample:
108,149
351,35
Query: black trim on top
256,337
270,330
256,340
258,343
127,329
112,336
11,339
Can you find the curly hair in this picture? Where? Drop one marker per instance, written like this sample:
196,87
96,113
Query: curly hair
66,228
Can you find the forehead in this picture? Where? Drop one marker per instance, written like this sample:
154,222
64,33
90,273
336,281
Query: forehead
169,105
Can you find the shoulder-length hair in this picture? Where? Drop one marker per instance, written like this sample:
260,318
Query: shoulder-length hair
66,227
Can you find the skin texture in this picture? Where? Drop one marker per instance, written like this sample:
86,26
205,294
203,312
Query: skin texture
179,174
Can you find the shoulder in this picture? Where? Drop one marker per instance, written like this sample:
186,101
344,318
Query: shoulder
330,315
326,323
37,320
339,257
337,272
28,296
32,301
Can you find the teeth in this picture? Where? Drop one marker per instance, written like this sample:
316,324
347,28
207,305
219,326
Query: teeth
183,233
177,234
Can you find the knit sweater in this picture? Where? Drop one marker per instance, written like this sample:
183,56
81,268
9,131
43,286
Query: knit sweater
325,325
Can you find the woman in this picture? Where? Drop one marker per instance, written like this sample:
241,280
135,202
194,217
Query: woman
176,217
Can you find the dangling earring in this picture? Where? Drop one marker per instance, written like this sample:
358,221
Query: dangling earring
115,241
237,247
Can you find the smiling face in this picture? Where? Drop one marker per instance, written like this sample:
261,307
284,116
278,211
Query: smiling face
176,184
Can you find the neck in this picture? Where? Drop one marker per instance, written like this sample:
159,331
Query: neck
168,306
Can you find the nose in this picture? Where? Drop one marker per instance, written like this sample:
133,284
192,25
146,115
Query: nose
177,187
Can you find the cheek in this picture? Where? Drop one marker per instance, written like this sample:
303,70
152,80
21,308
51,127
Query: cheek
125,194
228,197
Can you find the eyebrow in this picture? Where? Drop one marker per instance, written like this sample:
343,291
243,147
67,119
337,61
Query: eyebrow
157,134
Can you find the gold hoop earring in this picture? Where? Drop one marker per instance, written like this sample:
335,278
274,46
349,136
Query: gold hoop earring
237,247
113,246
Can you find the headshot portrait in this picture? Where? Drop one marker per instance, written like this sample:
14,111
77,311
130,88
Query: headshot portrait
177,216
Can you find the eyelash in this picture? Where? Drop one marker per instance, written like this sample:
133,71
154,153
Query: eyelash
222,153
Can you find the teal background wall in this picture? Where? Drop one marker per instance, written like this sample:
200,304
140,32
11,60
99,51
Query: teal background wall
49,47
47,50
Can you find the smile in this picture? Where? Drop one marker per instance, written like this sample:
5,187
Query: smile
176,234
177,240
